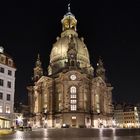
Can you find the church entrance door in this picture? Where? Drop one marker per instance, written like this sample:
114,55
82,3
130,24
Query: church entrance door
73,121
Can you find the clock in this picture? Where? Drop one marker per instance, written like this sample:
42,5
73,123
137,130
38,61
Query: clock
72,55
73,77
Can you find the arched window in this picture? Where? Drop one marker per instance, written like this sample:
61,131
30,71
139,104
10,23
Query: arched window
97,98
73,89
73,98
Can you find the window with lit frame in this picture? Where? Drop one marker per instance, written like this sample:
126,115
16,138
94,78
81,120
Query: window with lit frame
97,103
2,59
73,98
10,62
7,109
1,109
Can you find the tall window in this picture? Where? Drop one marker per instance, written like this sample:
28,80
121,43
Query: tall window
73,89
73,98
1,70
85,101
1,95
59,100
10,62
7,109
9,84
9,72
1,82
8,97
2,59
97,100
1,109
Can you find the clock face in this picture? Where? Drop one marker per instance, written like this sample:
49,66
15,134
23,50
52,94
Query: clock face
72,56
73,77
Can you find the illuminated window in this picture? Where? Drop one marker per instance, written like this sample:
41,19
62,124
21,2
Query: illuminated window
97,98
73,117
97,103
59,102
1,82
60,106
98,108
7,109
2,59
1,70
73,107
73,89
10,63
59,96
45,96
0,109
73,96
73,99
1,95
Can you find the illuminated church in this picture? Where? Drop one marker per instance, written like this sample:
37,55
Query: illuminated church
73,93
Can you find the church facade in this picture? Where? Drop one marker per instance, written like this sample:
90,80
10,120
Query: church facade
73,93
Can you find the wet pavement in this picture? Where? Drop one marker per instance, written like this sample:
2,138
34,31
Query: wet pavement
75,134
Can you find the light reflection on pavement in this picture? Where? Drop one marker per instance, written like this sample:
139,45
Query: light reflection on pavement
70,134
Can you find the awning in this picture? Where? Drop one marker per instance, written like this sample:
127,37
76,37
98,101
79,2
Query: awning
3,118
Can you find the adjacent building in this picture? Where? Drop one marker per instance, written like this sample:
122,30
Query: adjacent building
118,115
73,93
127,116
7,88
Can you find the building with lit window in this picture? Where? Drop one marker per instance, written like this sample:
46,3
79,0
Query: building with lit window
131,118
118,115
7,88
73,93
126,116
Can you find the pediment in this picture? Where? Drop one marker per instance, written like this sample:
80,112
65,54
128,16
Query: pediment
44,79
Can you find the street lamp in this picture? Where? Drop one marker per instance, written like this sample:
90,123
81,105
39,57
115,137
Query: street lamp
20,120
113,123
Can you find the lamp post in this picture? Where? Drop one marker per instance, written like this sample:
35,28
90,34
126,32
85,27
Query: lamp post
19,120
113,123
45,117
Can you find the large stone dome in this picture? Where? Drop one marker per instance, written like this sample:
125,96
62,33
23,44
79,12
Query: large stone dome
58,56
60,48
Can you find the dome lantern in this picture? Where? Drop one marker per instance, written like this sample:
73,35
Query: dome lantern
69,21
62,55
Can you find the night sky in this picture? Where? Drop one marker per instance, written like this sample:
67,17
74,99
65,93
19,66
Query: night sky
111,29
